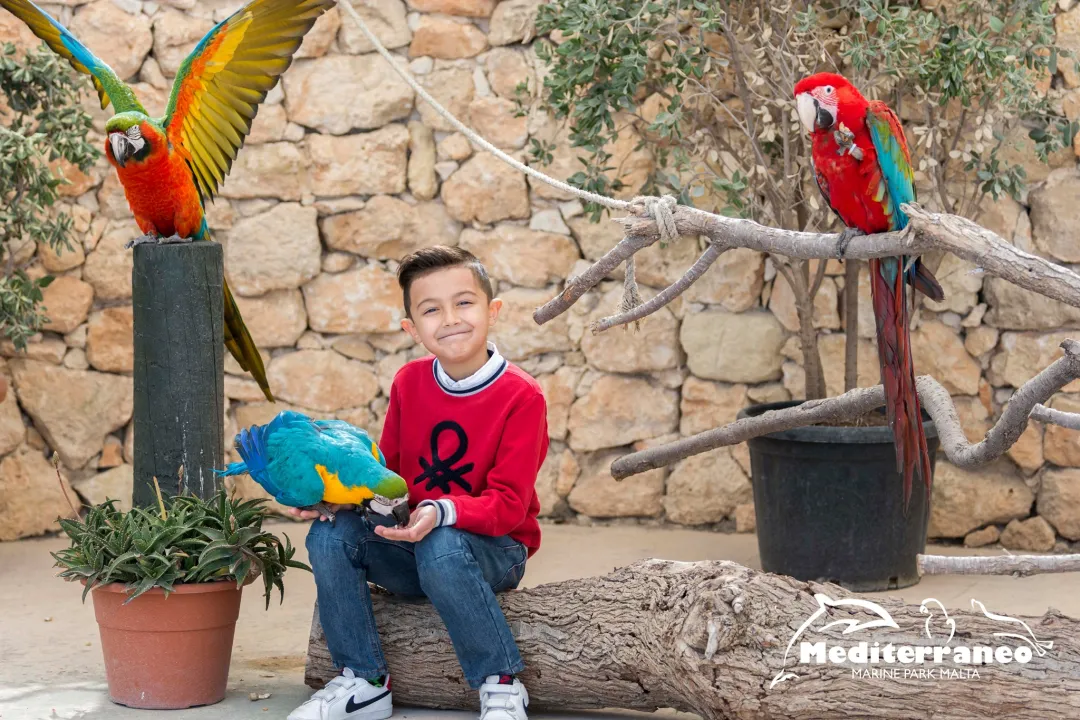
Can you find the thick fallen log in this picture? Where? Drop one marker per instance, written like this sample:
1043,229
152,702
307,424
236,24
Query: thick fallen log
711,638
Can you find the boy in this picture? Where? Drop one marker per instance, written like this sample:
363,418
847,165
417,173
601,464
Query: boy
468,431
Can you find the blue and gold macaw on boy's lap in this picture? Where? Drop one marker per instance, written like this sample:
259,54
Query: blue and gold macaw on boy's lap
308,464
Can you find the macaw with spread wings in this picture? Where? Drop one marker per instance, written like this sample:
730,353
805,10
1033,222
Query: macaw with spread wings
170,166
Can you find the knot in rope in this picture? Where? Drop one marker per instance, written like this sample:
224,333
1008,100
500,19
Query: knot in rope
660,209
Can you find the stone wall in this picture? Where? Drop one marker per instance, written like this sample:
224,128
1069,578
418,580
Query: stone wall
345,170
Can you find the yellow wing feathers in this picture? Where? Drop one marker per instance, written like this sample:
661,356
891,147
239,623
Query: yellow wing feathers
221,84
335,492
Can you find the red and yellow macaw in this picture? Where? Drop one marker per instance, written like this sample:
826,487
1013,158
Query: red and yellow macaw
863,168
170,166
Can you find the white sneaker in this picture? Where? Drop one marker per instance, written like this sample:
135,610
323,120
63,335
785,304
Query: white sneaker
347,697
503,702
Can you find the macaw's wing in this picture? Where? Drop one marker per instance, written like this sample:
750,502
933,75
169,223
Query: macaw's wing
896,185
293,453
895,176
220,85
347,433
109,87
823,186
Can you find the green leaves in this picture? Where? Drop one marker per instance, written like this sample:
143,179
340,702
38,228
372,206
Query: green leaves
199,541
717,120
46,124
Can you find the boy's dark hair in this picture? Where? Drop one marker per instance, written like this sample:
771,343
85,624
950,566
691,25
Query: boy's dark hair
438,257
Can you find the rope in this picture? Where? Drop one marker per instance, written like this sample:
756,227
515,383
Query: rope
630,298
661,210
658,208
469,133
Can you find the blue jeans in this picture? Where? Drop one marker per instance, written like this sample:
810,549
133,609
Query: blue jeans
459,571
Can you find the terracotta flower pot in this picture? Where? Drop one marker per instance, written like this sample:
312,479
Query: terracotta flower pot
167,652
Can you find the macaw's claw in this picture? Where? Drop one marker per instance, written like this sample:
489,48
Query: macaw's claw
149,239
324,509
141,240
174,240
845,239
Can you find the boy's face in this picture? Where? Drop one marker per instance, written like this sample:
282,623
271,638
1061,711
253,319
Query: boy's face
450,314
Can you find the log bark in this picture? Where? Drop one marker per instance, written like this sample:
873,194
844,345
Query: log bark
710,638
179,335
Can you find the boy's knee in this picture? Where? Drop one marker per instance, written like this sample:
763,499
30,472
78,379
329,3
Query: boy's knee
325,540
442,552
440,543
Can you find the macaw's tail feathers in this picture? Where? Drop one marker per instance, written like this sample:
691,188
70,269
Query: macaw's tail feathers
924,281
232,469
240,344
251,444
902,404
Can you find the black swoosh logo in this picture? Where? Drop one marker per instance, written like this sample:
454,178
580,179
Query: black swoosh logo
351,706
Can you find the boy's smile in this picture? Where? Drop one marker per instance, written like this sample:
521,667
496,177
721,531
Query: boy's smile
450,317
454,333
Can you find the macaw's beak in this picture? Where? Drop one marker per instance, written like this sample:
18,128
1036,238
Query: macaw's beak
401,513
122,147
814,115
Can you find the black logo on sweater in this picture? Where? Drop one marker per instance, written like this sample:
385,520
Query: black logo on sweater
441,472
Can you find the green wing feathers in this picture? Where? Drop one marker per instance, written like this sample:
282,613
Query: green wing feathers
110,88
894,159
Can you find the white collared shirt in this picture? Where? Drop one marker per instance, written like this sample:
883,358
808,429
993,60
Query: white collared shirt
488,373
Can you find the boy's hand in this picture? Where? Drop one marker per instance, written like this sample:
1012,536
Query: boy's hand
420,524
312,514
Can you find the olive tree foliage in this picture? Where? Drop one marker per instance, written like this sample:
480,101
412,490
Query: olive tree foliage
708,86
41,122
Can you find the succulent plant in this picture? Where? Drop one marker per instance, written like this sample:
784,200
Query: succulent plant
185,540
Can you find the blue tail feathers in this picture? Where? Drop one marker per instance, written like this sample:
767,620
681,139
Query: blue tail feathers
251,444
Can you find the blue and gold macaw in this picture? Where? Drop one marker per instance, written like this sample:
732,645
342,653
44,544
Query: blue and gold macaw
308,464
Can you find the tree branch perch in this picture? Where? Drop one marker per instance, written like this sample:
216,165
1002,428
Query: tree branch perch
673,291
1016,565
855,403
1056,417
926,231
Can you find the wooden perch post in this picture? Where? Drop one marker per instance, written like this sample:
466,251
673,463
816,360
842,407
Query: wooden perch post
179,321
710,638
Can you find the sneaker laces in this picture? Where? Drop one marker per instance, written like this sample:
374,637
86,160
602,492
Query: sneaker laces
499,697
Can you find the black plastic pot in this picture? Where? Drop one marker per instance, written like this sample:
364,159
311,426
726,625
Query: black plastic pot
830,504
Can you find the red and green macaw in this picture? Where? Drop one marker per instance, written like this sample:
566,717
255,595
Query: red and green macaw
863,168
170,166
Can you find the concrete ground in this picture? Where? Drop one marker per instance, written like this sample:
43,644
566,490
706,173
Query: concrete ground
50,657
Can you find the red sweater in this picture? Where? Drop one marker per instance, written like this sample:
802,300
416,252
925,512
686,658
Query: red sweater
473,449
